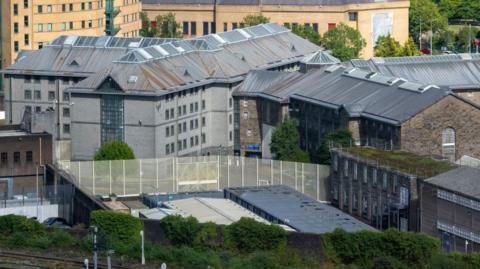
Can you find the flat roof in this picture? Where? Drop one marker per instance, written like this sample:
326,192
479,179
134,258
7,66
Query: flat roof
297,210
406,162
219,211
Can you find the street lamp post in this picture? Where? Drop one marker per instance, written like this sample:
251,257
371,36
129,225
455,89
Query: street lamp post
142,235
94,230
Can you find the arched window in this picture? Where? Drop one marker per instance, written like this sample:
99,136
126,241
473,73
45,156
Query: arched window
448,144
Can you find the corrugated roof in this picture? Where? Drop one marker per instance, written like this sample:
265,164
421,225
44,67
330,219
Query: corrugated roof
464,180
297,210
359,92
230,61
321,58
454,70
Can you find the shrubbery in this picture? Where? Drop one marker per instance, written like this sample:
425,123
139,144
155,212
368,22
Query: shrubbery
179,230
120,230
389,249
11,224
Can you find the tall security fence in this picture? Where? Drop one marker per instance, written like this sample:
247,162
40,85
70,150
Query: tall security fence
187,174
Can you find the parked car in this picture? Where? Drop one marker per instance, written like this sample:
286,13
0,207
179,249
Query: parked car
56,222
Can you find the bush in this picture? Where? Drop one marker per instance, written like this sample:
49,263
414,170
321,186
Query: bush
208,236
369,249
10,224
180,230
115,150
119,230
248,235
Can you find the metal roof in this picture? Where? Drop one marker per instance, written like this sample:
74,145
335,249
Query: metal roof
219,211
297,210
456,71
160,69
359,92
321,58
265,2
463,180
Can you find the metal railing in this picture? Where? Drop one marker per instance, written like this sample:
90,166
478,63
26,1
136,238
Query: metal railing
186,174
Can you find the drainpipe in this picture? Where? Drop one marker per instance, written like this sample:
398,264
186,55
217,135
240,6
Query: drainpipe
215,14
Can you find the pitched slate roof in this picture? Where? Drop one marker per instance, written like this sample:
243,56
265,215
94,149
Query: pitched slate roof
456,71
463,180
157,71
359,92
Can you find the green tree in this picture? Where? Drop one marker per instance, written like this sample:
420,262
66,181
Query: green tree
469,9
425,14
167,26
306,32
410,48
116,150
444,39
339,138
449,8
252,20
285,143
147,30
344,42
387,46
466,37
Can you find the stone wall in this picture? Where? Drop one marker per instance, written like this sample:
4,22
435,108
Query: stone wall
473,95
422,134
250,131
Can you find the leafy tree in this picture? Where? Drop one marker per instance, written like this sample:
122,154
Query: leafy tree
147,30
285,143
116,150
387,46
425,14
449,8
466,37
444,39
338,138
167,26
345,42
252,20
410,48
469,9
307,33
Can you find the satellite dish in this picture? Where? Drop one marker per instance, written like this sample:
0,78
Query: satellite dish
163,266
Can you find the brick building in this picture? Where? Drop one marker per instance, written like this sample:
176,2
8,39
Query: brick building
380,187
21,153
450,209
381,111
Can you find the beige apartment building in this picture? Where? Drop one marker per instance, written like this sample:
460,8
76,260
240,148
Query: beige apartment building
29,24
372,18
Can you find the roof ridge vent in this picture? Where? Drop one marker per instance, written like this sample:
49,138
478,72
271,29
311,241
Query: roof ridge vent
218,38
332,68
70,40
349,70
132,45
144,54
132,79
161,50
371,75
428,87
378,60
244,33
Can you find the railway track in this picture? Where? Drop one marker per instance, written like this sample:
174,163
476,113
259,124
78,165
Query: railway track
74,262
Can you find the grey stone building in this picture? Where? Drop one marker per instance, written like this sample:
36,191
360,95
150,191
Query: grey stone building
381,111
133,89
382,191
450,209
459,73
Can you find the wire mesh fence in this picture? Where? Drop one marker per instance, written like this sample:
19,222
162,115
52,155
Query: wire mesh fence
202,173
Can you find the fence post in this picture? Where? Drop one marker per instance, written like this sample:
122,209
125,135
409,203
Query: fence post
271,172
296,179
93,177
318,182
228,171
79,174
156,172
110,176
303,179
140,173
243,170
281,172
174,169
124,178
218,172
258,180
